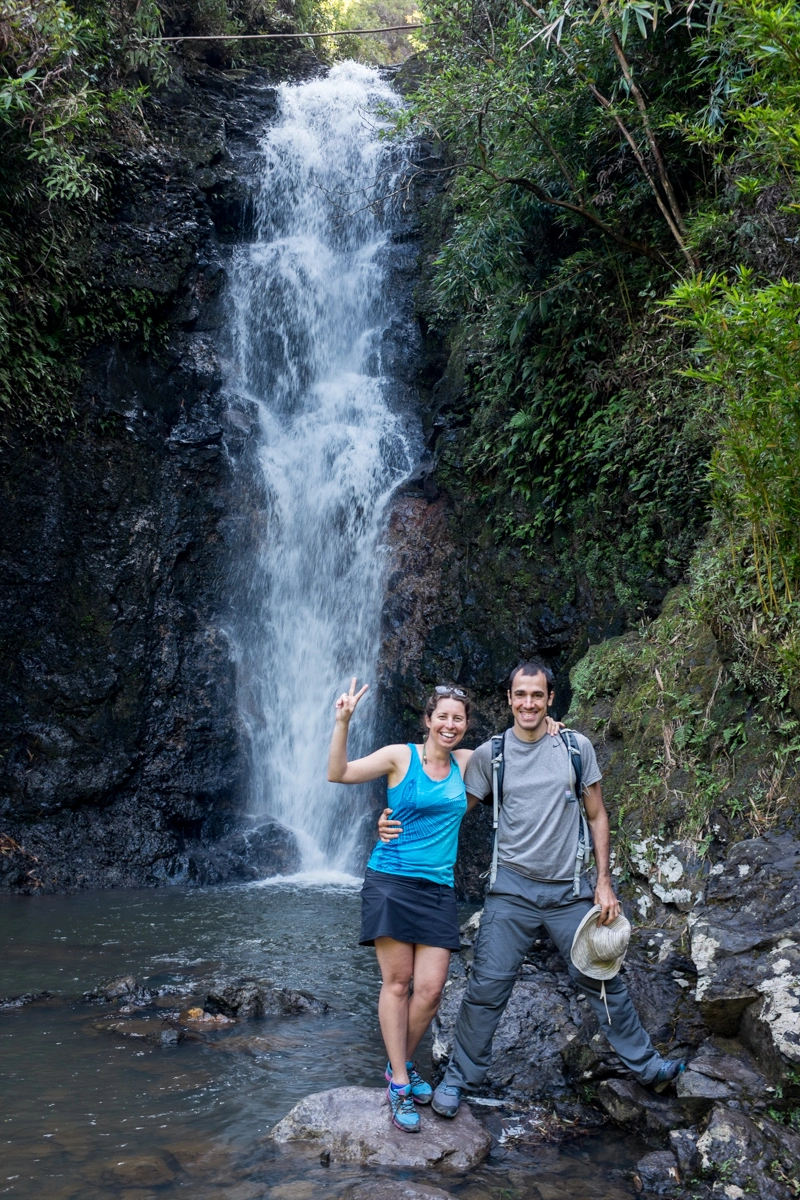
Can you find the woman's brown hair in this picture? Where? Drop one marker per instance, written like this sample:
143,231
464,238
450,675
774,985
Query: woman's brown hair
447,693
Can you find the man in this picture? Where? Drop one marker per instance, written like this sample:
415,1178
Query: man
533,891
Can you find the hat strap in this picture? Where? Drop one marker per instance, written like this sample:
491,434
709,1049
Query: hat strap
603,998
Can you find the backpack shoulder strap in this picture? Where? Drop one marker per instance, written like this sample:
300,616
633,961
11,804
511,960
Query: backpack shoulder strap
498,761
570,740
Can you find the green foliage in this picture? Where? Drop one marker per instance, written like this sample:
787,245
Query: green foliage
579,433
73,79
601,153
748,344
684,753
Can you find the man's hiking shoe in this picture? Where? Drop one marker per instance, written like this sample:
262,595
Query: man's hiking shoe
670,1069
404,1114
446,1099
421,1091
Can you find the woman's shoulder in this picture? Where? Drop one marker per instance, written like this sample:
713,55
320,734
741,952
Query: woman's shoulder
401,755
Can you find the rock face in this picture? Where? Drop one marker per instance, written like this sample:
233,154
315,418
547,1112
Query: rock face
122,755
745,948
352,1125
757,1156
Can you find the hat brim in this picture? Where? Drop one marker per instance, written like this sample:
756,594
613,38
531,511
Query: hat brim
581,954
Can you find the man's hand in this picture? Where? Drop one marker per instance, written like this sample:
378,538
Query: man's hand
604,896
388,830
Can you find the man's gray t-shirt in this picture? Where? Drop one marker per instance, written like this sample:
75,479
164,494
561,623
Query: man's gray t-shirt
539,817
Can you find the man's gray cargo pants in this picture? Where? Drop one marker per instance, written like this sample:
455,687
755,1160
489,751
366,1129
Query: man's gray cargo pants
509,926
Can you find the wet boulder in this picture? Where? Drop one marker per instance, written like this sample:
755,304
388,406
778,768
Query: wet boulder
540,1021
256,998
745,944
657,1174
717,1074
352,1125
753,1154
155,1033
628,1103
26,998
255,852
126,989
396,1189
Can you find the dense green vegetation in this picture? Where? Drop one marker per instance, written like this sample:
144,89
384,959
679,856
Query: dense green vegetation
619,277
74,83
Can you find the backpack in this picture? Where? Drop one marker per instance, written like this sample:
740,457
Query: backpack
584,850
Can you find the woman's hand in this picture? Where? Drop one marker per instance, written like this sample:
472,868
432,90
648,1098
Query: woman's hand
388,830
346,704
553,727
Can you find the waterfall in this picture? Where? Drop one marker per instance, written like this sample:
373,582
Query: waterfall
311,311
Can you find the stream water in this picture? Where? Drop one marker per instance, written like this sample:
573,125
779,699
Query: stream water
88,1115
311,313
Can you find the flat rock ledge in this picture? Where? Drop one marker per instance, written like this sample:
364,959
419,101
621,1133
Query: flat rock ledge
352,1125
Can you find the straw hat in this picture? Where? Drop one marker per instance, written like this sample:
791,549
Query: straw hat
598,950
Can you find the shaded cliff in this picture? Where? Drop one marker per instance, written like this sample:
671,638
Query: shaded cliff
121,749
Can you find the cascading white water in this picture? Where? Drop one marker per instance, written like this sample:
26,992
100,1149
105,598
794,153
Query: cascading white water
311,310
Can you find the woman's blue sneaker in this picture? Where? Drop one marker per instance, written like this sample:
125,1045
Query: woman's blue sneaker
404,1115
420,1090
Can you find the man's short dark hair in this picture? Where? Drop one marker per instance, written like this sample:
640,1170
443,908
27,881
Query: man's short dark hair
533,666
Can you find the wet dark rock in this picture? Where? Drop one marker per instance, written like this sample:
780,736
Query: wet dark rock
252,853
7,1002
628,1103
139,1171
126,988
352,1125
744,944
754,1155
396,1189
683,1143
657,1174
254,998
534,1030
155,1033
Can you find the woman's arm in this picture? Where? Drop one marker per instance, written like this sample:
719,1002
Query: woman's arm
389,760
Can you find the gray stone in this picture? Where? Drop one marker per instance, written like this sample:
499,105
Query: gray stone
156,1033
657,1174
745,944
260,998
628,1103
684,1146
126,988
25,998
701,1087
756,1155
353,1125
538,1024
396,1189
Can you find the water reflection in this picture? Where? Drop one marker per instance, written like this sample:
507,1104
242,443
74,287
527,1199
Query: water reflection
88,1114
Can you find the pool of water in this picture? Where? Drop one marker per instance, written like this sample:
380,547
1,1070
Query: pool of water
87,1114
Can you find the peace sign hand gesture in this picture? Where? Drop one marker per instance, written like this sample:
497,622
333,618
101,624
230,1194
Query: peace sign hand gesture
346,704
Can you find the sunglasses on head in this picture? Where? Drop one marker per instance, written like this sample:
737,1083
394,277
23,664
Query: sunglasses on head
441,690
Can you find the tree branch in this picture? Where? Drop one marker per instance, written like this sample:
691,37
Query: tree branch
529,185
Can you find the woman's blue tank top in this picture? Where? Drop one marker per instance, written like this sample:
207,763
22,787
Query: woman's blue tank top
430,811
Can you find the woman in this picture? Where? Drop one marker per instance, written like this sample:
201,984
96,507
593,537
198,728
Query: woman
408,901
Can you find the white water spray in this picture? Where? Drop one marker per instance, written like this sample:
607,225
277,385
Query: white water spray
311,310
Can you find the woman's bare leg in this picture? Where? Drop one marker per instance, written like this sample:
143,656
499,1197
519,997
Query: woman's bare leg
396,961
431,964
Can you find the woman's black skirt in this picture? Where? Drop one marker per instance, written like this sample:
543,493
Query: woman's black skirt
408,909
